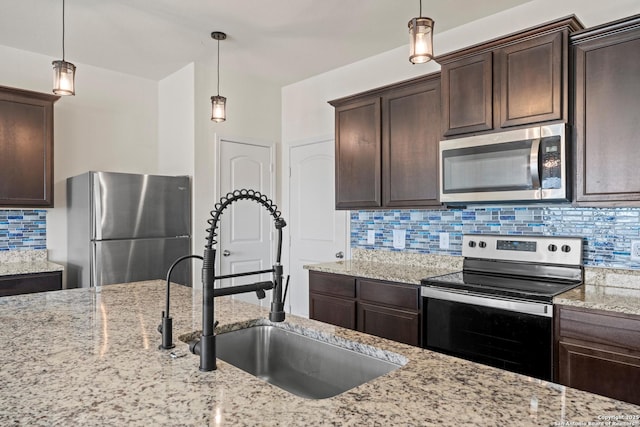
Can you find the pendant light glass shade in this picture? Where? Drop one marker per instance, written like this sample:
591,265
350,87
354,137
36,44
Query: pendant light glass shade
420,39
218,108
64,74
218,103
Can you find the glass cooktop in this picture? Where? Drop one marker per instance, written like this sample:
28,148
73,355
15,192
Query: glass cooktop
504,286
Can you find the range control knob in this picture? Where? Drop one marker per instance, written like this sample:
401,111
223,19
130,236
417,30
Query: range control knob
472,244
565,248
552,248
482,244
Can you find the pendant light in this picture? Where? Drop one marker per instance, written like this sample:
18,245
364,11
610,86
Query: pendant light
63,72
218,103
421,39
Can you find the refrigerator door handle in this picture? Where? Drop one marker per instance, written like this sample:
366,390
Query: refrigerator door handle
97,207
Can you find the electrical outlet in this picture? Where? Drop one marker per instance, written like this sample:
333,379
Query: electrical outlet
371,237
635,250
399,238
444,240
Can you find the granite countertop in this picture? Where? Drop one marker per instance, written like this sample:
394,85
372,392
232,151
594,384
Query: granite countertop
379,270
606,289
90,357
26,262
392,266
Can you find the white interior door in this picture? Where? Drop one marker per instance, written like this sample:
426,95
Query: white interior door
246,227
318,230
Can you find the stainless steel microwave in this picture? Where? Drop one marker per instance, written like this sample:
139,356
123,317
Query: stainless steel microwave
518,165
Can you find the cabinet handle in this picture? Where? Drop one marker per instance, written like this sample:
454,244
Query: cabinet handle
340,255
226,253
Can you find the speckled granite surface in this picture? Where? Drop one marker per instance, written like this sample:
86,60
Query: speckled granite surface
393,266
90,357
26,262
606,289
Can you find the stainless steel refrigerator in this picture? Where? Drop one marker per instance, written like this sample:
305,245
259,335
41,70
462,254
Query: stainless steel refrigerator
126,227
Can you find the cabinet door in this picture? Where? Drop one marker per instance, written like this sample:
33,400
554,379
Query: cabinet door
26,148
467,95
531,79
609,373
398,325
336,311
598,351
358,154
411,133
607,102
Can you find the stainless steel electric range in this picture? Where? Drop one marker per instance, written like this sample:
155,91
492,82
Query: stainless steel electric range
498,310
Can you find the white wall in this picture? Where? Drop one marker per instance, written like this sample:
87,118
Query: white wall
111,124
176,122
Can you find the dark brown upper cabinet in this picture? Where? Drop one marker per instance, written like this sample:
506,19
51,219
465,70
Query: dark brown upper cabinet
520,79
26,148
410,145
467,94
387,146
607,118
358,149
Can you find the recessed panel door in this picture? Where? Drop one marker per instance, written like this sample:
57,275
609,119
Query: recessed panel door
246,227
318,230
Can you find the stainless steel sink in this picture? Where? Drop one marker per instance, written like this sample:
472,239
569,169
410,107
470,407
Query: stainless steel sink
301,365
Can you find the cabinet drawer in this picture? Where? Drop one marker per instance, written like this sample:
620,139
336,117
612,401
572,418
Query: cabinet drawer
332,284
594,327
30,283
393,294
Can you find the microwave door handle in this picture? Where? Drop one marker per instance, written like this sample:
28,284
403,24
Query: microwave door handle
534,163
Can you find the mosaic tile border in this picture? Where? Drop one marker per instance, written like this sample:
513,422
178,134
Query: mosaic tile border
23,229
607,232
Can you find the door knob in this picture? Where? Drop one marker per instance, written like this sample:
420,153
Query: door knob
226,253
340,255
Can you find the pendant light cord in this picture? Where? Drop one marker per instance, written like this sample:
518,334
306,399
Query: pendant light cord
63,30
420,15
218,67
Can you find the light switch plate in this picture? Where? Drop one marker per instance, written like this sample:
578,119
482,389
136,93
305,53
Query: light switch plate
371,237
399,239
444,240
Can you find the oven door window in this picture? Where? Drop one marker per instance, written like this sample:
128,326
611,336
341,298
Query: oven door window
508,340
494,167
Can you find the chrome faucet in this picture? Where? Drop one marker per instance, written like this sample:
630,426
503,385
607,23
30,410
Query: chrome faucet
205,347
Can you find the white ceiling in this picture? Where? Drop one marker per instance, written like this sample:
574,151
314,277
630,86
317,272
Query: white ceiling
283,40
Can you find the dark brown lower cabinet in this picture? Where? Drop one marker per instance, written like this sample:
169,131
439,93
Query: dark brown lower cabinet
599,352
337,311
30,283
385,309
397,325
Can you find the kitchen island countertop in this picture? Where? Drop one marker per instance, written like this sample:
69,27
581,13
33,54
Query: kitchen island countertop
90,357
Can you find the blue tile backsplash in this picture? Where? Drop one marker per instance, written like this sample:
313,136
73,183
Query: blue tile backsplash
607,232
23,229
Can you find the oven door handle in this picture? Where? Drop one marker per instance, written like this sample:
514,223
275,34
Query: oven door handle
536,309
